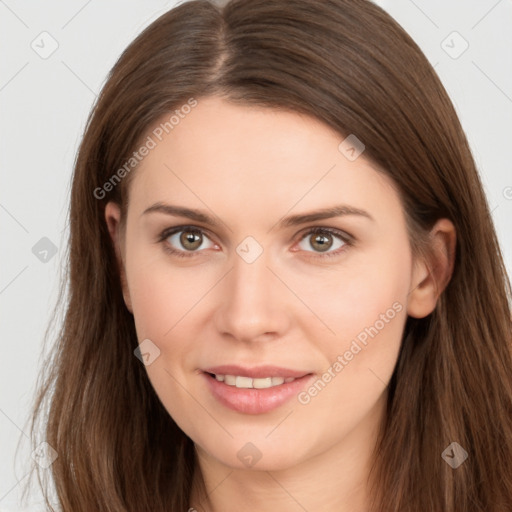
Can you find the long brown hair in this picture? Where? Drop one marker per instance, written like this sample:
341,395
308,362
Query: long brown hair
350,65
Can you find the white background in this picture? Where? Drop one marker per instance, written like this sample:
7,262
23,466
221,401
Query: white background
43,108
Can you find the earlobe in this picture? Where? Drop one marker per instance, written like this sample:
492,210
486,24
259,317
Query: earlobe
430,277
113,220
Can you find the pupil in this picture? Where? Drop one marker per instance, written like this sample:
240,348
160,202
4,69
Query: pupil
189,237
323,240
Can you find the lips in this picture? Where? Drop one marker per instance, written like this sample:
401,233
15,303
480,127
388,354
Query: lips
254,390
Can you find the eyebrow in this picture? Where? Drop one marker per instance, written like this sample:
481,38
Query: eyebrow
292,220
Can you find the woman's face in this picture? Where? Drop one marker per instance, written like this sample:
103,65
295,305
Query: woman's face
257,295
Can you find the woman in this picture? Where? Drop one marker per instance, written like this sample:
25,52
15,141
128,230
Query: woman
285,284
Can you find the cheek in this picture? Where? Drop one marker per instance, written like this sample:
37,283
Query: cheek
365,306
366,309
164,301
367,289
162,295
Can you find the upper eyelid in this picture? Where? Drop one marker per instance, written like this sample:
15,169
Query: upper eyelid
166,233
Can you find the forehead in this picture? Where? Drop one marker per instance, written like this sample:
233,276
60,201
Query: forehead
253,158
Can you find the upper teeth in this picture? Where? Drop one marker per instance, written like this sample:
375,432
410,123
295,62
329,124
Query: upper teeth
247,382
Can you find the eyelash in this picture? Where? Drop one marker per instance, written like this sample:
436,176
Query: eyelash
345,238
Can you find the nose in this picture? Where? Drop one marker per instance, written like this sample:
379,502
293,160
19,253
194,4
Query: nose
254,303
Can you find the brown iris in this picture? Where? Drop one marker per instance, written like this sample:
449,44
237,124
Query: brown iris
321,241
194,238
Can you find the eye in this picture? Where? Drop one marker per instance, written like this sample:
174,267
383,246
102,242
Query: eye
322,240
187,239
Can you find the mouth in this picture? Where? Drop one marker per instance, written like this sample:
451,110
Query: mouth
242,382
254,391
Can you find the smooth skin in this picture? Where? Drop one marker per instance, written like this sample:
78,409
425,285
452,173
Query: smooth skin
293,306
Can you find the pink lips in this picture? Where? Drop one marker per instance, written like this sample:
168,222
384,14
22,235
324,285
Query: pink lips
250,400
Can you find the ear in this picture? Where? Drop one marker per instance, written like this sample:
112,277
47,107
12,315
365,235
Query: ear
430,278
113,219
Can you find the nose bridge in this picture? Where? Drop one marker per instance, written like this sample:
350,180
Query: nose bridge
250,280
251,304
